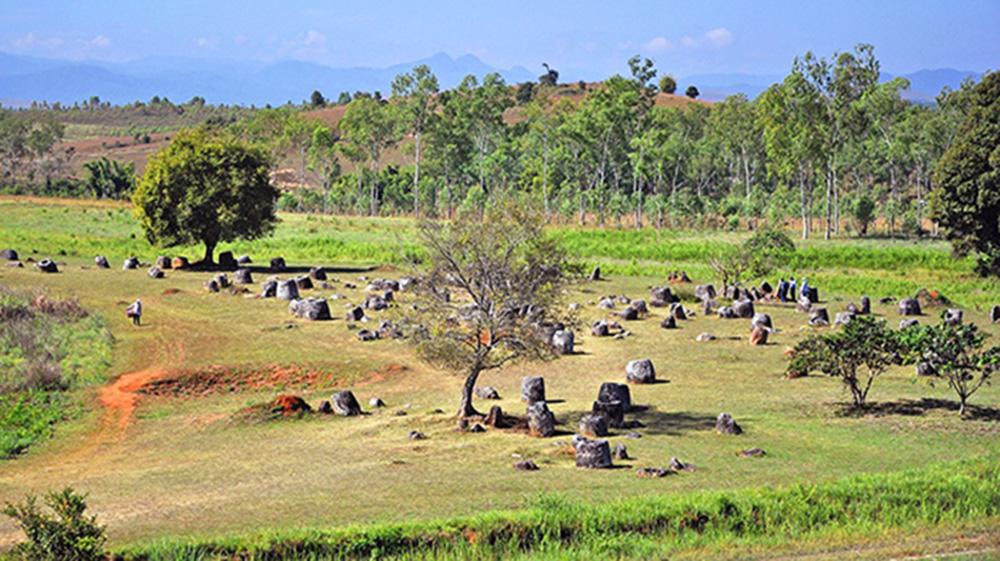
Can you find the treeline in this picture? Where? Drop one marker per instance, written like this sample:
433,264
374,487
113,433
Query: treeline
830,146
157,114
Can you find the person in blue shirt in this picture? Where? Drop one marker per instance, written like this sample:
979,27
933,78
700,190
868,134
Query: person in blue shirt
805,288
791,289
782,290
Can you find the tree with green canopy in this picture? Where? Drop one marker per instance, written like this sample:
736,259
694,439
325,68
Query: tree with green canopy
857,354
955,354
109,179
966,202
667,84
369,128
415,96
206,188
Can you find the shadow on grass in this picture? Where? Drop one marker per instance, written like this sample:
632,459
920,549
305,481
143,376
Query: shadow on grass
674,423
653,421
919,407
265,269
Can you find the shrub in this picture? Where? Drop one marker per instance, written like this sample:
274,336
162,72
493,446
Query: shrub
65,534
955,354
857,355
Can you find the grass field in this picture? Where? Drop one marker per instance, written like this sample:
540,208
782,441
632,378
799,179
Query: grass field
179,465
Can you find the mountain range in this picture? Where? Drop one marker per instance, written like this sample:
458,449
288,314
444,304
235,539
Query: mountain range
925,84
24,79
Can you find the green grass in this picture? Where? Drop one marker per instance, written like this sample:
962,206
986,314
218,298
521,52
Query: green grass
649,527
876,267
29,416
184,468
47,358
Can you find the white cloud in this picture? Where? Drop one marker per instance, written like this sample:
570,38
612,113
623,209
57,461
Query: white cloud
201,42
657,44
719,37
101,42
713,39
689,42
314,38
31,41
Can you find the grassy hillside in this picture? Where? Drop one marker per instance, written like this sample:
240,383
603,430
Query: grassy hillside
163,452
847,267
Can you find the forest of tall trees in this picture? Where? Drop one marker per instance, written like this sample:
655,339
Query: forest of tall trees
830,147
830,150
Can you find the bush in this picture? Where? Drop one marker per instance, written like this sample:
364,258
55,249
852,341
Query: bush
857,355
67,534
863,211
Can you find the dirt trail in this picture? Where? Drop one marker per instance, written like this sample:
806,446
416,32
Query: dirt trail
119,398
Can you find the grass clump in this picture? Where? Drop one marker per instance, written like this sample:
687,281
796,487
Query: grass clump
48,349
635,528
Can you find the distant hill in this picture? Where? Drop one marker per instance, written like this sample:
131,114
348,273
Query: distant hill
925,85
25,79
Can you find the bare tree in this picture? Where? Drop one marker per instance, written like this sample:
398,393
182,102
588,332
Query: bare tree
493,292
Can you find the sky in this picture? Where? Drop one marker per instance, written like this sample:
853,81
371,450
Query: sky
583,39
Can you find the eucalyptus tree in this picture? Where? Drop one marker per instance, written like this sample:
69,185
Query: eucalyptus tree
415,95
738,135
449,146
482,107
369,128
542,145
324,160
883,110
838,84
789,114
643,75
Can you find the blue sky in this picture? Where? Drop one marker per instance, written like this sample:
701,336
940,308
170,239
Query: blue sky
588,39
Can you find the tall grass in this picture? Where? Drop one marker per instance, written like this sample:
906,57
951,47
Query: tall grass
873,267
634,528
48,349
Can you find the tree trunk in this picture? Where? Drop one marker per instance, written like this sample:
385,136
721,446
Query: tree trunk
416,177
746,174
829,204
545,184
302,165
802,203
892,197
836,206
209,252
466,408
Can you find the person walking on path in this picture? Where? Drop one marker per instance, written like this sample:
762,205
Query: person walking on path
135,312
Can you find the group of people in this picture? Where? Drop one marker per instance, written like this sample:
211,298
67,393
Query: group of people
786,289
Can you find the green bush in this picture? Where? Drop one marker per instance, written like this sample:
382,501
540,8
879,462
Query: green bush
65,534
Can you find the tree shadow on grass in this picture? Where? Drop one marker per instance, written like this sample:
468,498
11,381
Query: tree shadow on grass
674,423
201,266
919,407
652,421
